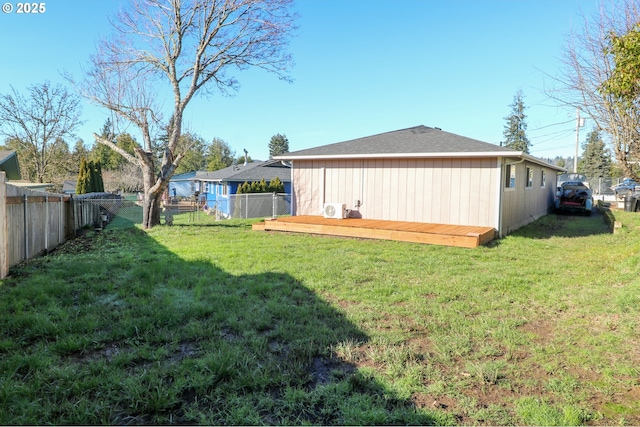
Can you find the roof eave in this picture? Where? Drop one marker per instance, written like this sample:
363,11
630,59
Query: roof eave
478,154
399,155
11,167
541,162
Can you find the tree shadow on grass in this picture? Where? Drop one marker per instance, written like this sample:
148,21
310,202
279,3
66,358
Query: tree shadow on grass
122,331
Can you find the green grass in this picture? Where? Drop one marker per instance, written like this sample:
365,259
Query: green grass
218,324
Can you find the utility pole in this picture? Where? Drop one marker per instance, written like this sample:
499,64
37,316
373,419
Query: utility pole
579,124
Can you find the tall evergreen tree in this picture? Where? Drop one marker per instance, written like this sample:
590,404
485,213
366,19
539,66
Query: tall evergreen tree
82,186
516,126
89,177
279,144
596,158
79,151
101,152
92,177
98,185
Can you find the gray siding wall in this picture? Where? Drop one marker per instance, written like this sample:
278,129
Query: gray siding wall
446,191
522,205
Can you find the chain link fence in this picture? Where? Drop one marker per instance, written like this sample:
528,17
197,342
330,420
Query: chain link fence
126,211
257,205
100,209
603,186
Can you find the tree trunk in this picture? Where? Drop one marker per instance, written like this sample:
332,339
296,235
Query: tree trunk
192,44
154,187
152,190
151,214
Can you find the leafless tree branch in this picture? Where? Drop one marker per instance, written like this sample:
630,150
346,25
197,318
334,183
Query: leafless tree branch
587,65
40,121
180,48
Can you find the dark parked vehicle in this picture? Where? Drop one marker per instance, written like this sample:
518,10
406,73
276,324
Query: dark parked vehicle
574,194
625,188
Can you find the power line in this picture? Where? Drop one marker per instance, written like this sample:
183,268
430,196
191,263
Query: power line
566,146
555,135
554,124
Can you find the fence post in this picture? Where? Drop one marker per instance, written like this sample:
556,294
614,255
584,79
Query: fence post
274,205
4,229
74,217
61,236
25,201
47,219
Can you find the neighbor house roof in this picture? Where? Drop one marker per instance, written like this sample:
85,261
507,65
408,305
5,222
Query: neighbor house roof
69,186
9,164
414,142
37,186
254,171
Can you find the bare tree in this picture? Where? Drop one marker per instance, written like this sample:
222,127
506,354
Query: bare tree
588,65
183,47
36,126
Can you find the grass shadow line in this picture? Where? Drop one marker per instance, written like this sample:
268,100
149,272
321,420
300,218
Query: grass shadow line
114,328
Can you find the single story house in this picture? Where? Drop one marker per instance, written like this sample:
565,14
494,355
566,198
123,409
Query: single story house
423,174
215,188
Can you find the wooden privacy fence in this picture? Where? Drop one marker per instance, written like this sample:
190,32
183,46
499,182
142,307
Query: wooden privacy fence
34,222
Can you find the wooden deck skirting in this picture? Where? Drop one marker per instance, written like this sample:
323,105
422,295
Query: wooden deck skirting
417,232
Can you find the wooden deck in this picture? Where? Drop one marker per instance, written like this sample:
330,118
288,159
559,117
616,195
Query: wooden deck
417,232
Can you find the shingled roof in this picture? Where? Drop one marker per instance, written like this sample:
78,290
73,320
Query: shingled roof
254,171
418,141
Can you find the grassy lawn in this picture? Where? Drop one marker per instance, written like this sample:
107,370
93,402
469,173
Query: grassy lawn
219,324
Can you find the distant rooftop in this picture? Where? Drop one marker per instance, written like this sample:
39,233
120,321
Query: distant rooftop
253,171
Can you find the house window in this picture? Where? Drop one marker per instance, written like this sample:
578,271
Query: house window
543,178
529,177
510,175
224,189
207,188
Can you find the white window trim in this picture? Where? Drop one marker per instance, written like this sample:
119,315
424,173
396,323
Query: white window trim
508,172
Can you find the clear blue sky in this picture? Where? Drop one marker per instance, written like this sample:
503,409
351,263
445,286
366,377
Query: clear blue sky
362,67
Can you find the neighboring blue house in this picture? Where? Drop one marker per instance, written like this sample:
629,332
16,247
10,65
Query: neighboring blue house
216,187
